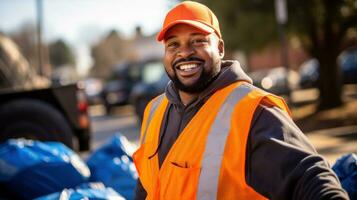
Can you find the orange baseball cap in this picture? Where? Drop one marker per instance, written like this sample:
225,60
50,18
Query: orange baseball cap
191,13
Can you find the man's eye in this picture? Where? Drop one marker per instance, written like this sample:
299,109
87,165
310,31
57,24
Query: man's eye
199,41
172,44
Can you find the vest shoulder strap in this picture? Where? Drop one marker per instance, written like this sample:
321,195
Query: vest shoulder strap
148,114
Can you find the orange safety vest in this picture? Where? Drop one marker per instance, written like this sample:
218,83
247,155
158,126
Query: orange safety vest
207,161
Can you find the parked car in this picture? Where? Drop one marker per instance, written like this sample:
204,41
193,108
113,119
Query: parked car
347,61
257,76
309,73
93,88
153,82
276,80
116,91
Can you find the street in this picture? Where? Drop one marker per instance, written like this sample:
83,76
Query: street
104,126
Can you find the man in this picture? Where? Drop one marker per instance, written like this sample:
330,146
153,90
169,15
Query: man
213,135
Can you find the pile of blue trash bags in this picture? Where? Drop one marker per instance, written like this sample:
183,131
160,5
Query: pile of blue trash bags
51,171
346,171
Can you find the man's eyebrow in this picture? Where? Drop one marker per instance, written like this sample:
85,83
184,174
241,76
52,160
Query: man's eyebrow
170,37
194,34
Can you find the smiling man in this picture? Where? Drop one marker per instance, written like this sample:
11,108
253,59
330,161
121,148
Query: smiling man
213,135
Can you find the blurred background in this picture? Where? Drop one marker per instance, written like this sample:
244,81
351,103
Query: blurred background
303,51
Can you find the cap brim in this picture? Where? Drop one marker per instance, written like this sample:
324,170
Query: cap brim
199,25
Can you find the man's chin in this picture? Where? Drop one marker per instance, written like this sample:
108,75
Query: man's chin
193,88
197,86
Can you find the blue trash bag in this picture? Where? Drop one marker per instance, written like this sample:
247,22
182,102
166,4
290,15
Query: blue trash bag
346,170
89,191
30,169
113,165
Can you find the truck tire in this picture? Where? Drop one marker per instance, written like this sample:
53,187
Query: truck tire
34,119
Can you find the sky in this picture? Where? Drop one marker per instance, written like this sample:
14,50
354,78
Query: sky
83,22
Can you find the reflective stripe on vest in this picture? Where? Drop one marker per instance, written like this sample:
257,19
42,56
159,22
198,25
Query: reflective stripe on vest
217,136
154,104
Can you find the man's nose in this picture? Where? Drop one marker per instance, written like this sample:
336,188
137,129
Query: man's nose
186,51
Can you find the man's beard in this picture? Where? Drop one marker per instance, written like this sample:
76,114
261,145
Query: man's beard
205,79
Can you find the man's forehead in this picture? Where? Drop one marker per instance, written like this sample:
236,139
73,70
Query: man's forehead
183,29
173,36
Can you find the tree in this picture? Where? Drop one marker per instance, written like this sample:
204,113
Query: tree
25,38
245,24
61,54
321,25
325,24
110,51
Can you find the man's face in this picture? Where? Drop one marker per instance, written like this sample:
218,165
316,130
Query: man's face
192,58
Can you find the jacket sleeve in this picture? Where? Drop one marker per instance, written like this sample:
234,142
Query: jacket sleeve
282,164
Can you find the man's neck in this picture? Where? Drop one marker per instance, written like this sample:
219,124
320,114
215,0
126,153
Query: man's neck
187,98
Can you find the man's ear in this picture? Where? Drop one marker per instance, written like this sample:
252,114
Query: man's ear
221,48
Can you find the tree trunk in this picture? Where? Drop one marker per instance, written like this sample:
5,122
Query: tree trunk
328,48
330,80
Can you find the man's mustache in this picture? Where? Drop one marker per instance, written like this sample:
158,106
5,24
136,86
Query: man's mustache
186,60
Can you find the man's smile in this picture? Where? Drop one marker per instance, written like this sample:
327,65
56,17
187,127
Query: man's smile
187,69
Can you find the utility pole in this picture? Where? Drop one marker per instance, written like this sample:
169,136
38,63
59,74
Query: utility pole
39,13
281,18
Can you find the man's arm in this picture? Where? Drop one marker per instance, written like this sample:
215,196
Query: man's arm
282,164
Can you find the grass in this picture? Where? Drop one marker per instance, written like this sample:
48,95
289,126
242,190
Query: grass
308,118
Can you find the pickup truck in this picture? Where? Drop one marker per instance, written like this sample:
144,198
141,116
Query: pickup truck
30,107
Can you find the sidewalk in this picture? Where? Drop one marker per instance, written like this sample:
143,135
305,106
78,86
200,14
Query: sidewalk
333,132
334,142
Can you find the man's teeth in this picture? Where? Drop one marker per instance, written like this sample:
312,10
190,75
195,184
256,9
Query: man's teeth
188,67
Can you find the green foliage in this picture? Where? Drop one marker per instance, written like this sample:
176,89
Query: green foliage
246,24
319,21
250,24
61,54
